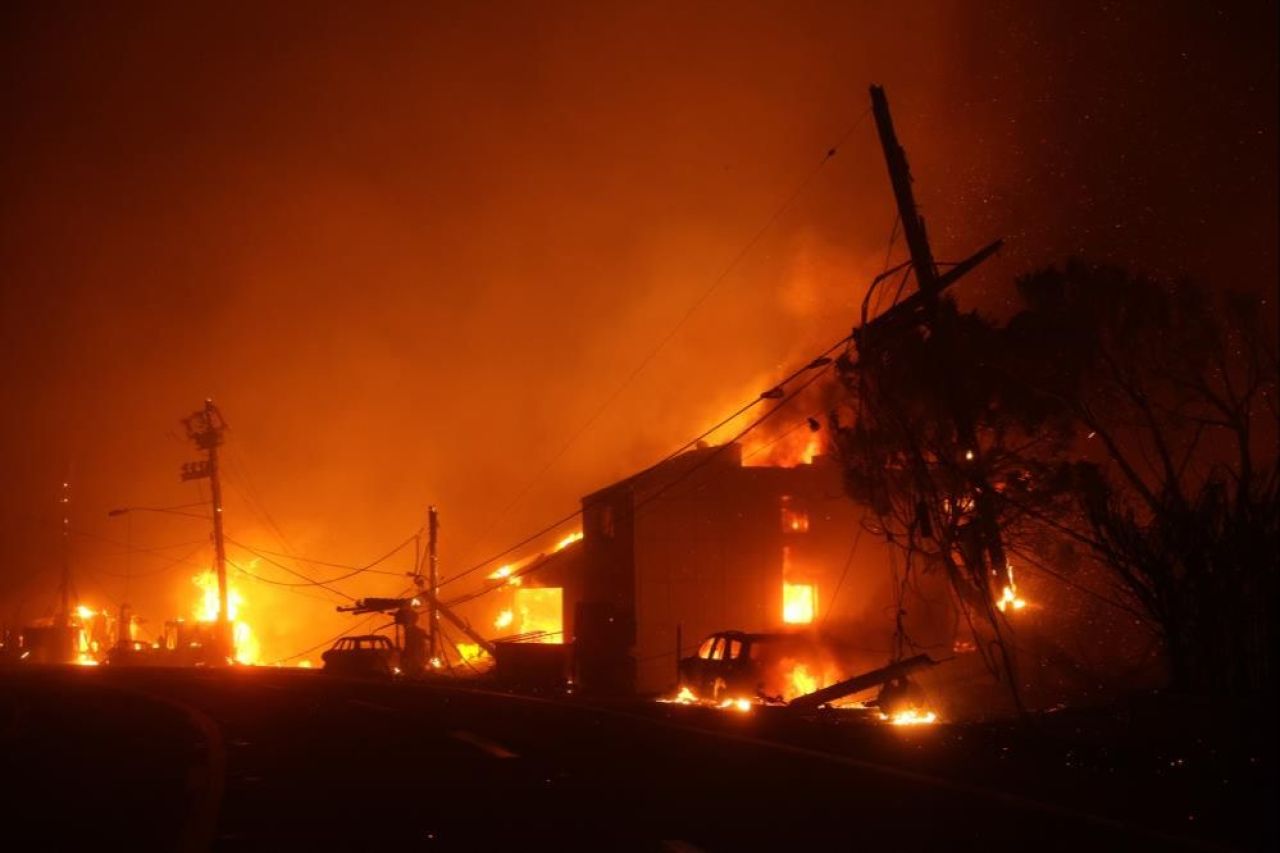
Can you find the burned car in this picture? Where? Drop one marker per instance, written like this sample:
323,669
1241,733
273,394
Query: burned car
737,663
804,669
370,655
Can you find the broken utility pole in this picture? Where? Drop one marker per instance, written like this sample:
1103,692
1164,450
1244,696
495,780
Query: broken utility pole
941,320
433,584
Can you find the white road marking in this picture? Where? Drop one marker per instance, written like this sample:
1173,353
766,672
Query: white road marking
497,750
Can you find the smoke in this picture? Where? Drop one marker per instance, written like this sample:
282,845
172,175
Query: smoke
418,257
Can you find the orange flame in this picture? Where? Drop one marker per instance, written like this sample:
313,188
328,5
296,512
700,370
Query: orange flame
911,717
799,603
1009,596
208,608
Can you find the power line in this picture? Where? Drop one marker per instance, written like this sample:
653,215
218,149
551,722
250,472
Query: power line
294,572
853,549
187,558
288,587
348,566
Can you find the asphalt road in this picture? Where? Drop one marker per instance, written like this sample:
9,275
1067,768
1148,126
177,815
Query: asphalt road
150,759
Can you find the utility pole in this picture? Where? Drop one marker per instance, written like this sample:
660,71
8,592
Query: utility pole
64,588
67,638
205,428
433,584
941,319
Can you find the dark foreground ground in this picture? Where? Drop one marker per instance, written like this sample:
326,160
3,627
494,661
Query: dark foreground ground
289,760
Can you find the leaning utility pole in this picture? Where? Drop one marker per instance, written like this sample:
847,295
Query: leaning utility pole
205,428
942,321
433,584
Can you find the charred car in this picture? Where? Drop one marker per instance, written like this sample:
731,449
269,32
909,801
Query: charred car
763,666
737,663
368,656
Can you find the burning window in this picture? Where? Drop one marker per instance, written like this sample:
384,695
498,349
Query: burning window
794,519
799,603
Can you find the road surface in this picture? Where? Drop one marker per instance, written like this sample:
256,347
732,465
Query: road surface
151,759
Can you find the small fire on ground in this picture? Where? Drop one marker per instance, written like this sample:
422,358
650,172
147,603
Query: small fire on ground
687,697
1009,599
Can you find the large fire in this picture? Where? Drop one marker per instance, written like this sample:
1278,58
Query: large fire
801,681
799,603
537,611
88,647
247,648
786,451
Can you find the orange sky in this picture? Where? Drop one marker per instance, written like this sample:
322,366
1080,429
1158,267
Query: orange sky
412,253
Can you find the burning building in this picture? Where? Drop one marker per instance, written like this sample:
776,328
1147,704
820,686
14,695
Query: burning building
703,542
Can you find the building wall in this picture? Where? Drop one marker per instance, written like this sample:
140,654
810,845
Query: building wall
701,544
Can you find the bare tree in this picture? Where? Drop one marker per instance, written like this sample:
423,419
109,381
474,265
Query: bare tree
1131,417
1176,393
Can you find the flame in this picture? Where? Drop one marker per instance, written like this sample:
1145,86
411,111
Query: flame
471,652
1009,596
246,647
541,610
504,572
304,664
786,451
535,610
685,696
911,717
501,572
738,704
568,540
87,648
800,681
799,603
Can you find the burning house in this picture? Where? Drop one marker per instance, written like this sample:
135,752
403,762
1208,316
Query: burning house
702,543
